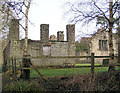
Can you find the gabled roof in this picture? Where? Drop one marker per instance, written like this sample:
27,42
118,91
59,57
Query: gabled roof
99,31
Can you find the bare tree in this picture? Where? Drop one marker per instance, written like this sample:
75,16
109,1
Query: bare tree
18,9
26,26
87,11
12,10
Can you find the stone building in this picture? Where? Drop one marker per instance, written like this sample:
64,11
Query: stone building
99,44
43,47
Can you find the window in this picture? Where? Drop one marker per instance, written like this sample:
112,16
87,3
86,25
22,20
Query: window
103,45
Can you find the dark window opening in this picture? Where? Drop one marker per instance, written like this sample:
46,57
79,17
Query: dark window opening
103,45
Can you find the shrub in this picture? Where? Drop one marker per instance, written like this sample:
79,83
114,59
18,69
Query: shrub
23,86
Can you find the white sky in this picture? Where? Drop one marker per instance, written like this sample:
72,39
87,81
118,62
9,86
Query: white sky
50,12
46,12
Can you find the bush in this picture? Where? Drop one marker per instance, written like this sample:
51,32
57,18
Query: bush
23,86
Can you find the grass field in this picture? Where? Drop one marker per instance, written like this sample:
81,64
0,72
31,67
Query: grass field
66,71
69,71
86,64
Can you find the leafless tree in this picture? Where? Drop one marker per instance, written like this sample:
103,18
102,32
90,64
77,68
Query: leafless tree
12,9
17,9
105,11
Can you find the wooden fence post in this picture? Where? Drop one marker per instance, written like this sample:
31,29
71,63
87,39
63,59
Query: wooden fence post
12,66
15,70
92,66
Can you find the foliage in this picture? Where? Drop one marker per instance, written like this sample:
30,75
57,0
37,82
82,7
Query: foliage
82,46
22,85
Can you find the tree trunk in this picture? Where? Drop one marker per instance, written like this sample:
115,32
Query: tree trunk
119,44
118,36
26,29
111,50
26,58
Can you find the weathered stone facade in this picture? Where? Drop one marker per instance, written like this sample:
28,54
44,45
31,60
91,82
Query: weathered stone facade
99,44
70,33
44,33
82,53
38,49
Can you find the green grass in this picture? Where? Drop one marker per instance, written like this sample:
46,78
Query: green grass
69,71
86,64
66,71
60,72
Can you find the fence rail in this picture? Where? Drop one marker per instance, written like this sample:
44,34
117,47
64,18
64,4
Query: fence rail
69,57
92,57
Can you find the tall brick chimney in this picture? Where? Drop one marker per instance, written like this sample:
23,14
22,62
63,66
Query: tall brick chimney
70,30
60,36
44,31
14,30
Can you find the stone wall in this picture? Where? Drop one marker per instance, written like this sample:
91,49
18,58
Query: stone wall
6,55
56,49
82,53
38,49
1,61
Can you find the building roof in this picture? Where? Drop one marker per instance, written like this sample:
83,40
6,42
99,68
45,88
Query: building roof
98,31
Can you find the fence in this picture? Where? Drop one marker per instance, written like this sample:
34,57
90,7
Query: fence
14,68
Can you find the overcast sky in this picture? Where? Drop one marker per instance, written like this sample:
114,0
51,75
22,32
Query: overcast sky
50,12
46,12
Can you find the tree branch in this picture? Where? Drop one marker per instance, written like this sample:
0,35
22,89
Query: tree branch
102,12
